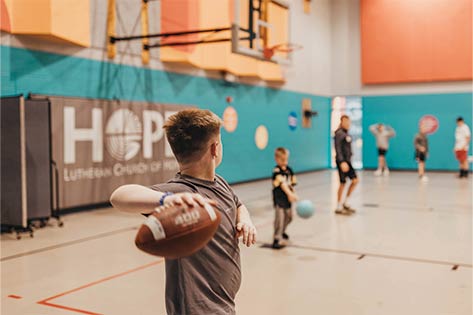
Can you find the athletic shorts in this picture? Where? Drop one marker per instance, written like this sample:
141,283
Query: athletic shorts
382,152
420,156
462,155
351,174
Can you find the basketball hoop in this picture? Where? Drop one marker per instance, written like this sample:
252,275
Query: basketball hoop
268,52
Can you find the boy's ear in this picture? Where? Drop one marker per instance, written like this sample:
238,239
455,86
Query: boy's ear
213,148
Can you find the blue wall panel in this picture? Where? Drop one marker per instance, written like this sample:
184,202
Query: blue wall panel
25,71
403,112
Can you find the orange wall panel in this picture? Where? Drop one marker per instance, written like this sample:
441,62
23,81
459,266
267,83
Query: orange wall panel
416,41
54,20
179,16
5,13
31,17
71,20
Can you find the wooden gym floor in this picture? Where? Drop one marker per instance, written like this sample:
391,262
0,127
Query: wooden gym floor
408,250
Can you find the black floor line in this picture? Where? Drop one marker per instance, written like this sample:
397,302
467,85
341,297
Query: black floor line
392,257
371,205
82,240
378,207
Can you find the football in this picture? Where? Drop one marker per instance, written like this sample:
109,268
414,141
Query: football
175,231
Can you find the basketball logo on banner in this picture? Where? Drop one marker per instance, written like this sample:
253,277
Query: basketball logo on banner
123,135
101,144
292,121
428,124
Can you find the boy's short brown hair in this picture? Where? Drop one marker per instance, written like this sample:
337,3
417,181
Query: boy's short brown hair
281,151
189,132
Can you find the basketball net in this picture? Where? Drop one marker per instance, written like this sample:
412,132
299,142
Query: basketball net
268,52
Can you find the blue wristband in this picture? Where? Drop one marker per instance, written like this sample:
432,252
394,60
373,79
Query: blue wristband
161,200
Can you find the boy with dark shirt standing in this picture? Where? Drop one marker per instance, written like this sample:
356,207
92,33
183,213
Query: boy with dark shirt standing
284,195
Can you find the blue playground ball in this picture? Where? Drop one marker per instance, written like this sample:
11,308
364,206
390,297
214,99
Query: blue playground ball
305,209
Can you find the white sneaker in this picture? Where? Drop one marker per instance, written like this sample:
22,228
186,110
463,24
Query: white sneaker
386,172
377,172
424,179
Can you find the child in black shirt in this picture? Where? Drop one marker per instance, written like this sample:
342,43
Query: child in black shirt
284,195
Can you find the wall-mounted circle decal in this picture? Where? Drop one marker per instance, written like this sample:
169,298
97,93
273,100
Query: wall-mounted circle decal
261,137
292,121
429,124
230,119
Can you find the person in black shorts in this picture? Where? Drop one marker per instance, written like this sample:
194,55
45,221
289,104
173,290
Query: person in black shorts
382,133
343,159
421,145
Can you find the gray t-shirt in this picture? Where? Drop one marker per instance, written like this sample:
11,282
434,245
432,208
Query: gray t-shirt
421,141
382,137
207,281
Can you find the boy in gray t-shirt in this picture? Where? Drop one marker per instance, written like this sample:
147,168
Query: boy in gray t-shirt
382,134
207,281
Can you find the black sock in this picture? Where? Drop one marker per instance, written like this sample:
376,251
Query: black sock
465,173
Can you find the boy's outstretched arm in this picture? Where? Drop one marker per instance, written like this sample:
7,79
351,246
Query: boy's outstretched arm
140,199
291,195
245,226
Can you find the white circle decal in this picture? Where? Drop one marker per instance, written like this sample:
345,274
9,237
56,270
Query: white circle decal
261,137
230,119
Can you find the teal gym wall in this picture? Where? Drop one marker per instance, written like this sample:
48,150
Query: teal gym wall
28,71
403,112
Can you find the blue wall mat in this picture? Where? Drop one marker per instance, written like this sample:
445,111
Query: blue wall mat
403,113
25,71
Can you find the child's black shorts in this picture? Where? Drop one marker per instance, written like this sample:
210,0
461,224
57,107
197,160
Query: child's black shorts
420,156
382,152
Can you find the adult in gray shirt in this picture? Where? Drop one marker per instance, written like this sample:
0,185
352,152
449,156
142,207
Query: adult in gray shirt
207,281
382,134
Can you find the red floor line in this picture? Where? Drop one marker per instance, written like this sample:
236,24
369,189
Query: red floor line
15,296
103,280
68,308
46,301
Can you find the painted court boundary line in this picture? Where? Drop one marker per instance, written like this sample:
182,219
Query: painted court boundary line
82,240
47,302
392,257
